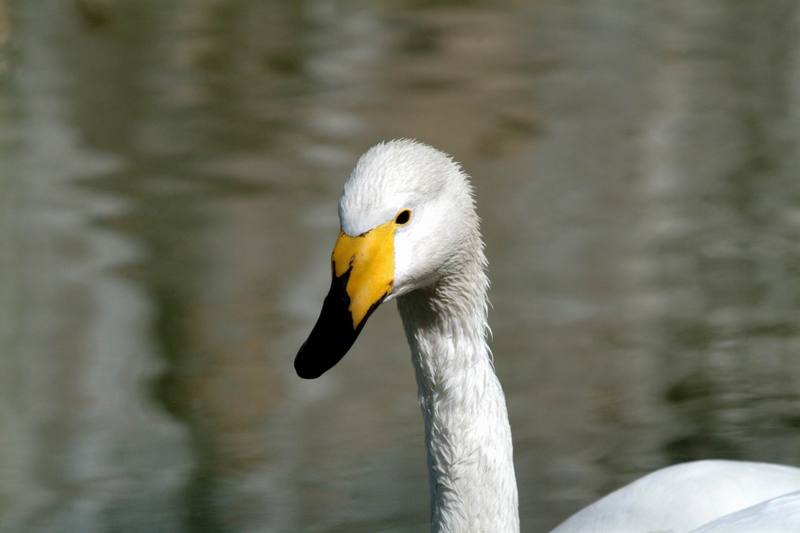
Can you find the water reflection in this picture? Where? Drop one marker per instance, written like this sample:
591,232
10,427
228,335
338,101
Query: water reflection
167,204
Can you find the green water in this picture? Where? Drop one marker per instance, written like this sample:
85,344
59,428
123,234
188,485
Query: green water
169,173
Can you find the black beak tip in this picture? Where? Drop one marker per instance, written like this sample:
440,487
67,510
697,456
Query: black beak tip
306,371
332,335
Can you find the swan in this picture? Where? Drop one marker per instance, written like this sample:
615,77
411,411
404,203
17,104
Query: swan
410,233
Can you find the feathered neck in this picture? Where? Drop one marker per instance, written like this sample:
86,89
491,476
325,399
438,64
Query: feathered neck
468,439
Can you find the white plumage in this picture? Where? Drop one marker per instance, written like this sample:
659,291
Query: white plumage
684,497
440,286
777,515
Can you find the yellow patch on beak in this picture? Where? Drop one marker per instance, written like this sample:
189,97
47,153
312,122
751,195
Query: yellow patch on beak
370,259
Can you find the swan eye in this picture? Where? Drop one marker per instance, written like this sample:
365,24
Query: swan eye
403,217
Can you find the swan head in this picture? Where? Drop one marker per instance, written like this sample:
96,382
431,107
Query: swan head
407,219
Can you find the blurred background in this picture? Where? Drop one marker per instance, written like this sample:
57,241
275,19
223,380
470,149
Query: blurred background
169,173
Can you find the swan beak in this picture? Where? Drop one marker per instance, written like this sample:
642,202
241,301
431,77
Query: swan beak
362,276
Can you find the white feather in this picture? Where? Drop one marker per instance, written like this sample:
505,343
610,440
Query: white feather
683,497
778,515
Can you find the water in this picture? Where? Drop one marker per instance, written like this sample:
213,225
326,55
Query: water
168,183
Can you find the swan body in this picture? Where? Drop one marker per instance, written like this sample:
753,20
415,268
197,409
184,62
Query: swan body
683,497
777,515
410,233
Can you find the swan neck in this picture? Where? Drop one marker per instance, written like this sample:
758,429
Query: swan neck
468,439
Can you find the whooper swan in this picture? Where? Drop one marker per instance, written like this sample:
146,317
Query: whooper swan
410,232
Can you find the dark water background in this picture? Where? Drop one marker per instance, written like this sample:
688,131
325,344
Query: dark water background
168,181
